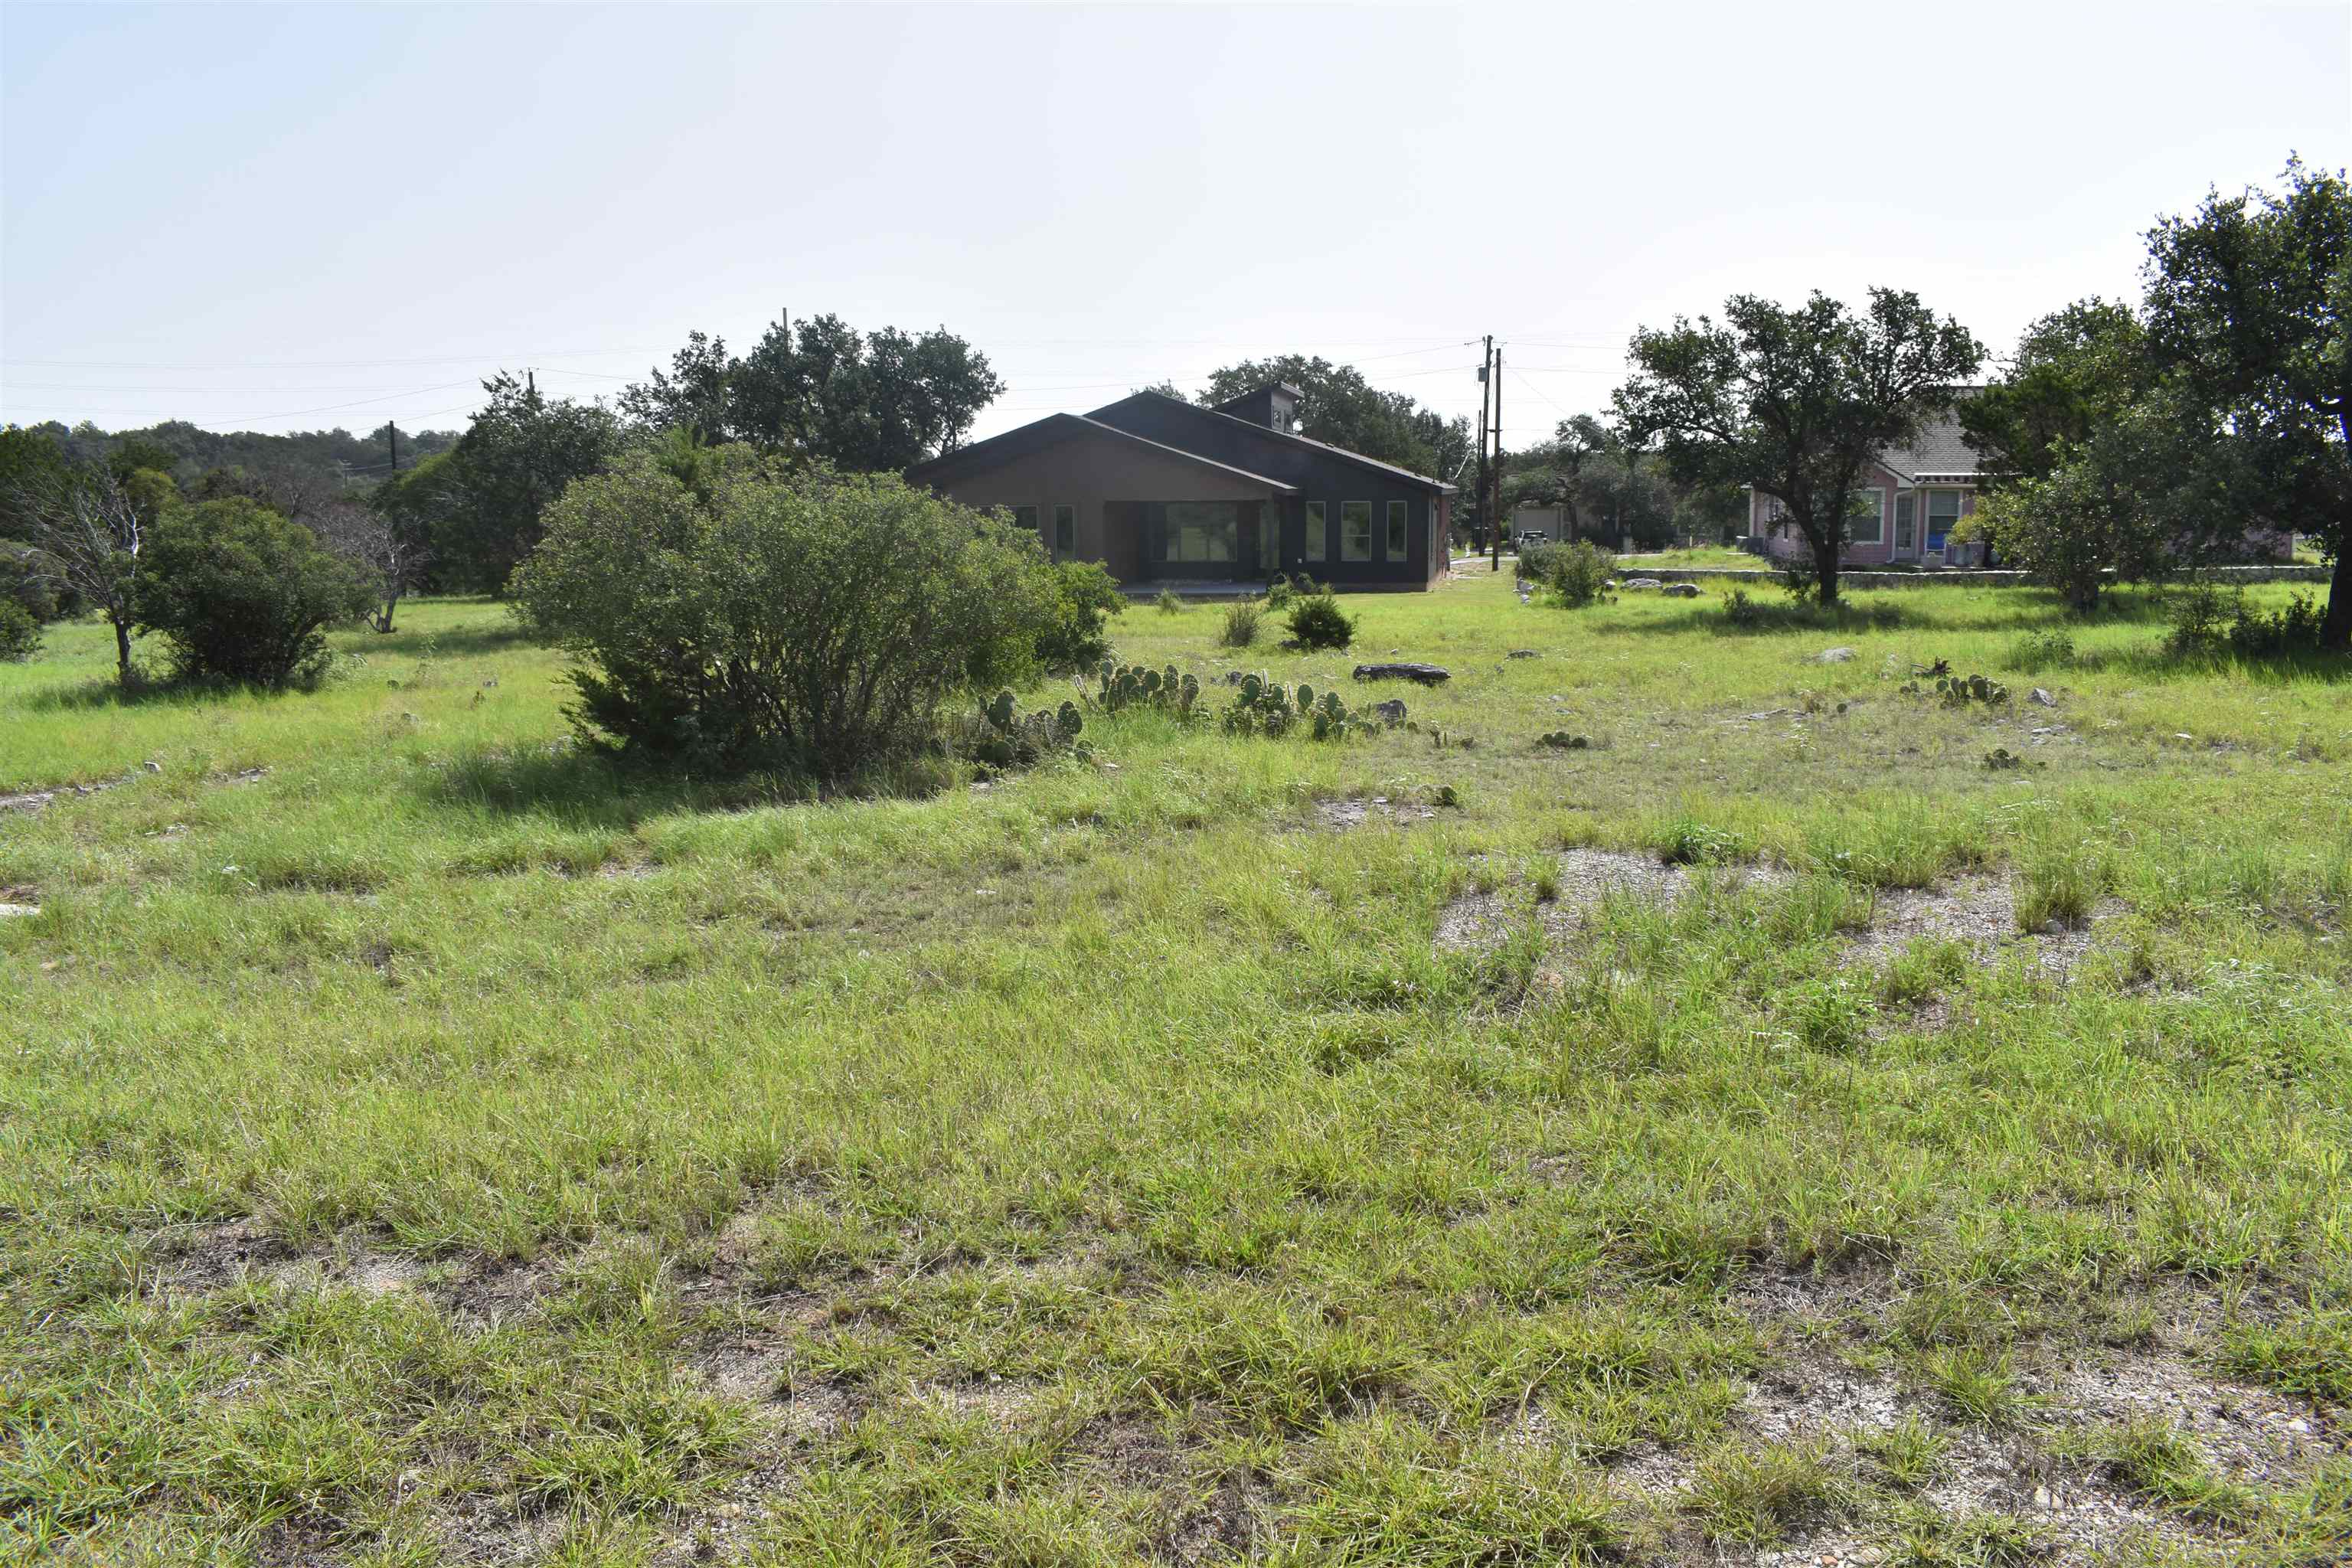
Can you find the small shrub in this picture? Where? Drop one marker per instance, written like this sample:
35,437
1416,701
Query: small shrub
1285,589
2200,621
1576,573
20,634
2038,651
2292,629
1316,621
1240,627
1073,636
242,595
1171,603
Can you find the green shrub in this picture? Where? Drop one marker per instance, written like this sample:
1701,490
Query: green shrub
1074,638
812,622
1171,603
2200,621
1241,626
2038,651
1575,573
240,593
1284,589
20,634
1316,621
2292,629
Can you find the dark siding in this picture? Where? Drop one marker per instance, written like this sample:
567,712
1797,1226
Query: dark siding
1321,476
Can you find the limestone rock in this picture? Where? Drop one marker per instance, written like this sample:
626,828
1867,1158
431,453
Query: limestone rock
1426,674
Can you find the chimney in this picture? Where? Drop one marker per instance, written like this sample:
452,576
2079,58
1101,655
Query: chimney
1273,405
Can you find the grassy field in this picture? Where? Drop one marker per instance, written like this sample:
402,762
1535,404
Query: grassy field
1764,1128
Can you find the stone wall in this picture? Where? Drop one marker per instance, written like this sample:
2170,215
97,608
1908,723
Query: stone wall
1733,575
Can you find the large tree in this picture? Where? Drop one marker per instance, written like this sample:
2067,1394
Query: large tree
524,448
2249,314
876,402
1795,402
2075,371
1338,405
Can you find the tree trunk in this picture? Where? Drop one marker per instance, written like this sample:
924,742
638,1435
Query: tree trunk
1825,571
122,651
2336,631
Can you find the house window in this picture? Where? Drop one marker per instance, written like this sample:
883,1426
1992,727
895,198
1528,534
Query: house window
1355,531
1317,547
1066,533
1906,529
1397,543
1204,530
1025,517
1943,511
1865,516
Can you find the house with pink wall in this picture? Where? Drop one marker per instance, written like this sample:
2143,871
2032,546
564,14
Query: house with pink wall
1904,511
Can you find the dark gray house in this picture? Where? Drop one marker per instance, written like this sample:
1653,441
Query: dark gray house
1156,488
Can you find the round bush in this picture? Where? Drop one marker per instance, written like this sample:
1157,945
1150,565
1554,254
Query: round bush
1316,621
805,622
20,634
242,595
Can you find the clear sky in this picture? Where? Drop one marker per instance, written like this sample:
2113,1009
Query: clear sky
292,218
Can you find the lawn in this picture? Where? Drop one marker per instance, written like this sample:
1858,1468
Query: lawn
1774,1124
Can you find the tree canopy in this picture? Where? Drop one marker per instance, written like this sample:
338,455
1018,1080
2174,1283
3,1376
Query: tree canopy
1795,402
823,391
2249,317
1338,405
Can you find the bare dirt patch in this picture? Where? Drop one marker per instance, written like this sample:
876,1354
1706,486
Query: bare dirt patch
197,1258
1587,877
355,1266
1342,814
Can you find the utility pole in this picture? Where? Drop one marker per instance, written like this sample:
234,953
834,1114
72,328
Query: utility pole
1486,395
1498,456
392,437
531,378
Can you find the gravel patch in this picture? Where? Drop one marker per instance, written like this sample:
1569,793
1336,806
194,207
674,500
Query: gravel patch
1587,877
1342,814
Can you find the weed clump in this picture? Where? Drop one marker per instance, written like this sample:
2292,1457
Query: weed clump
1242,624
1170,602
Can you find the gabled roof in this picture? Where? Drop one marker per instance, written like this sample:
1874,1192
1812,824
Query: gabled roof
1053,427
1270,434
1938,452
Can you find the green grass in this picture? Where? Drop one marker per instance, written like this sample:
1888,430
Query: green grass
441,1140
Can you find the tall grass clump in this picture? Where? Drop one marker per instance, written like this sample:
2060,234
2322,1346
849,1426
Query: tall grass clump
1242,624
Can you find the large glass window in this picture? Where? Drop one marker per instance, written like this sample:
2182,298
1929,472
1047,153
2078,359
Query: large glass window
1943,511
1318,548
1355,531
1066,533
1866,516
1398,545
1907,533
1204,530
1025,517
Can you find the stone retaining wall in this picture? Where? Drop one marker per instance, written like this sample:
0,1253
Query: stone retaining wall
1955,578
